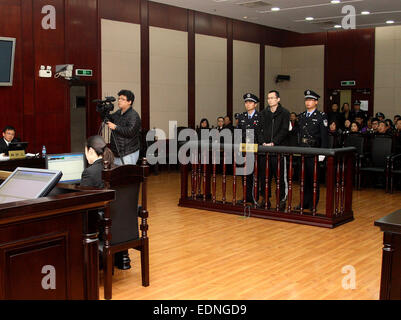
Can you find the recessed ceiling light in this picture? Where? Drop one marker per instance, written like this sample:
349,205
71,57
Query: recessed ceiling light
309,18
335,1
275,9
390,21
337,26
245,17
365,12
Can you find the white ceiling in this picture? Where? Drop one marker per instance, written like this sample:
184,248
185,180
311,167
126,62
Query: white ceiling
292,13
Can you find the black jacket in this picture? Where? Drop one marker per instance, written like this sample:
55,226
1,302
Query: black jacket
3,145
92,176
275,125
125,139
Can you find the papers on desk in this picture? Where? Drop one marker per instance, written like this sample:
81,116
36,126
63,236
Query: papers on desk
3,157
31,155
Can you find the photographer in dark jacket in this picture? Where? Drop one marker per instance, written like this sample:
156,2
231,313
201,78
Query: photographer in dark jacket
275,130
125,125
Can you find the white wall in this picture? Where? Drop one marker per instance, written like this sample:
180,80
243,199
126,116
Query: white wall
388,71
168,77
246,58
305,65
210,78
121,59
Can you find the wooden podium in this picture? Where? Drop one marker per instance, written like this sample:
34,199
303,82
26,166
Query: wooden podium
390,286
49,246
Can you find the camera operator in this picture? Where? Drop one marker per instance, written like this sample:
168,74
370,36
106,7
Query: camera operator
125,125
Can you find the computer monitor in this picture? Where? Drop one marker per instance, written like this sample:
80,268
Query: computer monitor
70,164
28,183
7,54
13,146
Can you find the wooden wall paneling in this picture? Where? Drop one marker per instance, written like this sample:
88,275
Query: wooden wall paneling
82,48
191,70
350,56
249,32
262,80
120,10
11,98
145,66
51,98
28,73
168,17
210,25
230,77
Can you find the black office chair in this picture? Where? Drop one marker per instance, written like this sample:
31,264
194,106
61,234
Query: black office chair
120,219
357,141
378,161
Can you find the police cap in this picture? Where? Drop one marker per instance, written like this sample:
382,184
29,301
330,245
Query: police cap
251,97
309,94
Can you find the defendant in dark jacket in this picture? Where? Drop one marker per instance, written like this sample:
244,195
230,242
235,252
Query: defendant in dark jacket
125,125
275,124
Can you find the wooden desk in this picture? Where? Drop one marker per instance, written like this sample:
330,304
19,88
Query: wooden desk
11,165
390,286
49,247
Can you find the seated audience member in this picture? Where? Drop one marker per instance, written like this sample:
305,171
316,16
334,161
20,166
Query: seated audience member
220,123
397,136
335,115
389,125
355,127
346,113
380,116
347,125
383,129
375,125
236,117
96,152
292,138
396,117
336,134
359,119
228,124
8,137
204,124
369,126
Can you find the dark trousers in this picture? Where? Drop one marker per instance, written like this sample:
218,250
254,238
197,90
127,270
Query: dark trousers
273,164
308,184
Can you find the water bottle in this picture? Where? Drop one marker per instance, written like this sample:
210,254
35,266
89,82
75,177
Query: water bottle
43,152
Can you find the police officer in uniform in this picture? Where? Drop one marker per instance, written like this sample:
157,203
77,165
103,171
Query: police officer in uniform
313,133
248,121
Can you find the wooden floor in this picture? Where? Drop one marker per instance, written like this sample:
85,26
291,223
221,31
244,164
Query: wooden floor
207,255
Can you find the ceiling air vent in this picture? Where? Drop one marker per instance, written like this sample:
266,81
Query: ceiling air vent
324,23
255,4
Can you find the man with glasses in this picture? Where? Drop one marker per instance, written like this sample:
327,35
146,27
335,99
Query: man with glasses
125,125
275,129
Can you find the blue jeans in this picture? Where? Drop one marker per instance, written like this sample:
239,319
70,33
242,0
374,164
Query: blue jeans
131,158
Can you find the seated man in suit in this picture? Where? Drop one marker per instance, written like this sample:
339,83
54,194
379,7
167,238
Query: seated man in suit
8,137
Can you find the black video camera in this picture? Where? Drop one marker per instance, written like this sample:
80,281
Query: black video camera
104,107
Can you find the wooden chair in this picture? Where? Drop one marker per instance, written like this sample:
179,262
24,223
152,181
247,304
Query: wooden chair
120,219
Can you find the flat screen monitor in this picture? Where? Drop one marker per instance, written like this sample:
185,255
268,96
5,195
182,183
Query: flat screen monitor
18,146
7,54
28,183
70,164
